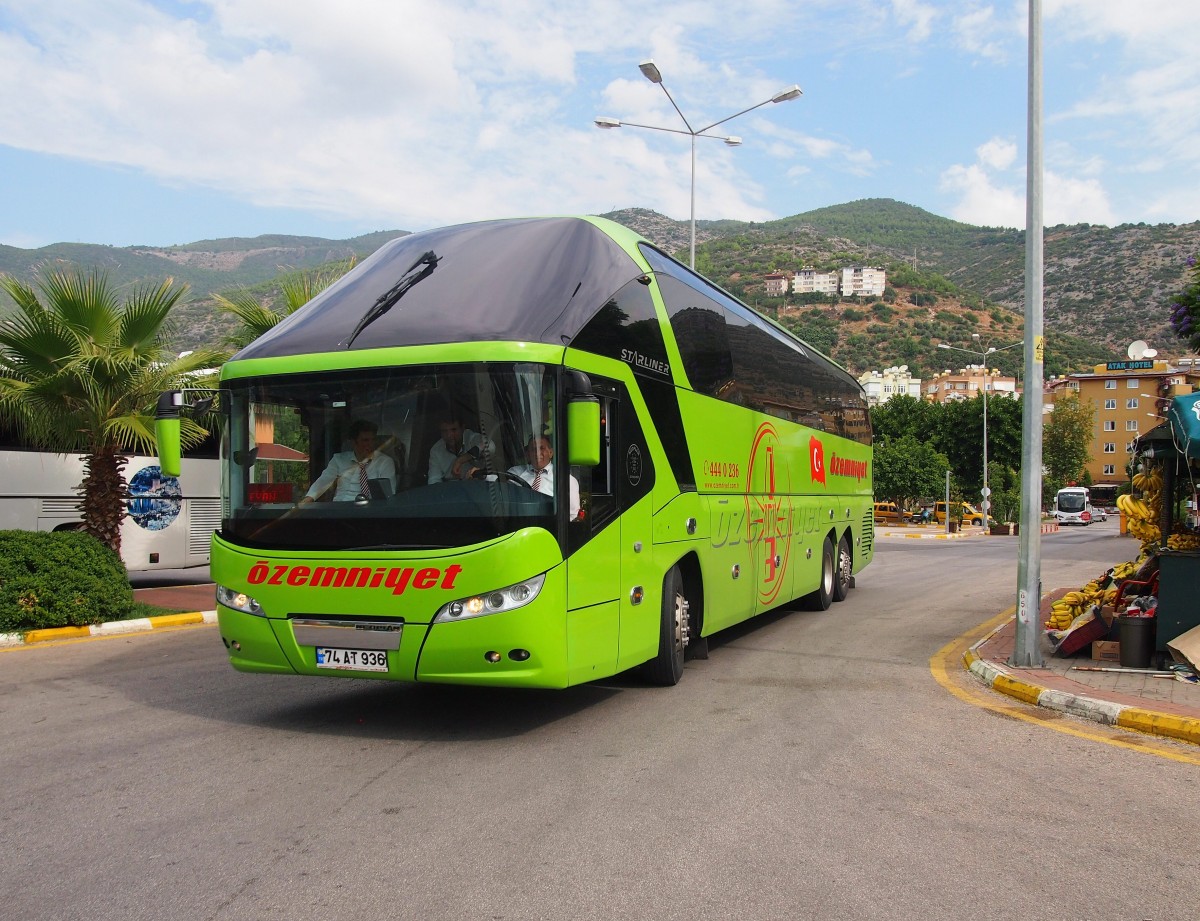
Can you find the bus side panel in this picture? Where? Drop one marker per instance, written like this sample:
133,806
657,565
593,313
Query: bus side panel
593,586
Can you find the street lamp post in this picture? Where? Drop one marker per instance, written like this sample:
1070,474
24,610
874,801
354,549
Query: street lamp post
651,72
986,492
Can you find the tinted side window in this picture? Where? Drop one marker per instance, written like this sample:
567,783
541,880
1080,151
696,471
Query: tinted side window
732,353
699,327
627,328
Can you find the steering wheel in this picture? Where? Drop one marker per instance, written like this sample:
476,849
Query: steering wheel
520,481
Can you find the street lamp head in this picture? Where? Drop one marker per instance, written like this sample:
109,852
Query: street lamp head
792,92
605,121
942,345
733,141
650,71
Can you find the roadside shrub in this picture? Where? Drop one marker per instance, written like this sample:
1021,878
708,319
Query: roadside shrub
60,579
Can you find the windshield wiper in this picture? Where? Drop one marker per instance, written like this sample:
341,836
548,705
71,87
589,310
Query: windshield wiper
388,299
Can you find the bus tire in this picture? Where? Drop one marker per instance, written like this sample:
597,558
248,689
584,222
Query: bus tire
843,571
666,668
822,598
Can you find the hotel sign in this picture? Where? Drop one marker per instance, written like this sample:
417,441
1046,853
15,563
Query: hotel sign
1130,366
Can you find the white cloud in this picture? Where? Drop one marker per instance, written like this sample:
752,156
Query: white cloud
997,153
992,191
977,31
916,16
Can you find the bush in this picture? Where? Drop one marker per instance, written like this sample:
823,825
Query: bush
60,579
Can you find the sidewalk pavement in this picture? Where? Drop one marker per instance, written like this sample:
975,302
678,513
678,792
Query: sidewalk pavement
1143,700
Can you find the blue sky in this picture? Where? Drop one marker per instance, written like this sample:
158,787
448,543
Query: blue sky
134,122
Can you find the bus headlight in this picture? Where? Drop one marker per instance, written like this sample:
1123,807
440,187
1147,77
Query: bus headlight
239,601
496,601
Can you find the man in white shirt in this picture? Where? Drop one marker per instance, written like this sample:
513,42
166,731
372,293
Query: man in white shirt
352,470
539,472
449,458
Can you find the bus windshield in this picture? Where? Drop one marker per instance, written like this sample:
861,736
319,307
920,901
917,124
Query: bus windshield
418,457
1072,500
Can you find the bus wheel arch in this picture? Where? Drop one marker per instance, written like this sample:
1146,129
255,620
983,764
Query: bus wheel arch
679,622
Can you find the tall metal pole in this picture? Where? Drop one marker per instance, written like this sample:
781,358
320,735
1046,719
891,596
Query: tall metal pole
692,262
1026,649
987,493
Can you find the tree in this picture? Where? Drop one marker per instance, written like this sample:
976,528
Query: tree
259,316
1066,438
905,415
81,373
908,468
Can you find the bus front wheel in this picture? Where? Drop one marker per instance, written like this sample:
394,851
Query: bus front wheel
666,668
822,598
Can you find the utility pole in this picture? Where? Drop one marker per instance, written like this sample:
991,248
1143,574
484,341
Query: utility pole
1026,649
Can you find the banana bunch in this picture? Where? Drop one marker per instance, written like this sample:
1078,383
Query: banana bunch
1184,541
1088,600
1142,515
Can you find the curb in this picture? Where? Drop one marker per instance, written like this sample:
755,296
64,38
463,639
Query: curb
109,628
1167,725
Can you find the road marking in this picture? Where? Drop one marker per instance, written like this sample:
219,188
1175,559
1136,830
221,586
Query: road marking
946,668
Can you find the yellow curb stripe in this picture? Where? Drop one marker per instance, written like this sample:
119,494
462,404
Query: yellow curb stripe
1027,693
56,633
50,634
1160,724
174,620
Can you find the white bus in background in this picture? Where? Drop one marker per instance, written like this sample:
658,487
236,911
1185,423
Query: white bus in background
1073,505
163,527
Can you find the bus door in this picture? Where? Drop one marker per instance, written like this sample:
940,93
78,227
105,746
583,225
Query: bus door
611,548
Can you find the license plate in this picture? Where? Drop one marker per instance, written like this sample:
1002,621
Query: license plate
359,660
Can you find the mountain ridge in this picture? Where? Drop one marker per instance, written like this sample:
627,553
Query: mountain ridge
1115,283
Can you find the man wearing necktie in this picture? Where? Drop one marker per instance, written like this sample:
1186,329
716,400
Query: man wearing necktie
353,470
539,471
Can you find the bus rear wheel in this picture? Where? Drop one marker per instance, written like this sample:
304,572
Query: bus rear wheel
844,569
666,668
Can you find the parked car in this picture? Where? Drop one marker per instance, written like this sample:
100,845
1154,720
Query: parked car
889,512
1099,513
970,514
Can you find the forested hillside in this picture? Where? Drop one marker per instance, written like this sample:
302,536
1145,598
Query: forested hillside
1103,286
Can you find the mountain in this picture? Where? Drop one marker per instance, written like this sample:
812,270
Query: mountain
1104,287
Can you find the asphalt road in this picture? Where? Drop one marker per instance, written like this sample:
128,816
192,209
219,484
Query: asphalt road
810,768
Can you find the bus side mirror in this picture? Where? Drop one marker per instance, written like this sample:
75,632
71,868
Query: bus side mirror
583,422
166,431
583,432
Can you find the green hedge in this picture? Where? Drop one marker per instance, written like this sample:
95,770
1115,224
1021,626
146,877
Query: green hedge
60,579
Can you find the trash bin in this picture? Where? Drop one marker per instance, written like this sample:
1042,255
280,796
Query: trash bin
1136,635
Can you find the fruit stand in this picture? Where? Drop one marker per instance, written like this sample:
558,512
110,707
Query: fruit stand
1154,593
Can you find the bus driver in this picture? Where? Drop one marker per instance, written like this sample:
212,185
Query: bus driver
539,472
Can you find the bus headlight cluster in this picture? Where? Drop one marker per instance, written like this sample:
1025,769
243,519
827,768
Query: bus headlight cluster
239,601
508,598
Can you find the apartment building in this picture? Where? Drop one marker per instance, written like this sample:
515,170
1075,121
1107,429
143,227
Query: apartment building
810,281
966,383
881,386
1130,398
776,284
863,281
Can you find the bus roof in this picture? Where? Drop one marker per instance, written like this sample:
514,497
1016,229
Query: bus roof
527,280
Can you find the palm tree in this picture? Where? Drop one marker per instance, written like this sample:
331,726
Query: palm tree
80,372
297,289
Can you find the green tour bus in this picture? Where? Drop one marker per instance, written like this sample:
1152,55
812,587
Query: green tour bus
530,452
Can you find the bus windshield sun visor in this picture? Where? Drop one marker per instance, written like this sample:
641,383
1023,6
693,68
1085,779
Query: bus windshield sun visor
389,298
